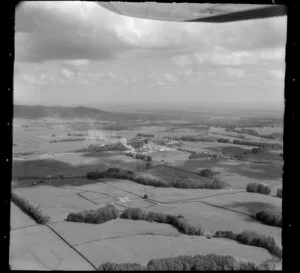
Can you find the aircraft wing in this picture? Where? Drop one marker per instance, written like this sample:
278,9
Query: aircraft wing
194,12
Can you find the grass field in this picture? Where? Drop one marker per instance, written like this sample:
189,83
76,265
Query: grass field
140,249
63,245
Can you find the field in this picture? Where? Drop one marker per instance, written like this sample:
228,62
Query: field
50,173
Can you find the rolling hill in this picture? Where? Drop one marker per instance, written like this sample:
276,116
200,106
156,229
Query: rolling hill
61,112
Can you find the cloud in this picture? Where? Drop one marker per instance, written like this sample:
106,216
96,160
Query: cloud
67,74
78,62
155,79
80,30
34,79
181,60
66,30
168,77
235,72
223,57
278,74
188,72
163,79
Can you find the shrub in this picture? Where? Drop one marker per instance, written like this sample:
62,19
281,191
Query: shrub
279,193
258,188
268,218
225,234
148,164
145,196
252,187
133,213
214,262
269,264
207,173
178,222
121,267
98,216
93,175
34,212
257,150
254,239
208,262
223,140
156,217
263,189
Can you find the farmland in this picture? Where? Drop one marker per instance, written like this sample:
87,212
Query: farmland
52,156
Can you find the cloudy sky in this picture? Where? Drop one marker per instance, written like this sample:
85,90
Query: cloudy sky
78,53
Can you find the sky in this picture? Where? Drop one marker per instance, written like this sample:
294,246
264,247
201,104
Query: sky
78,53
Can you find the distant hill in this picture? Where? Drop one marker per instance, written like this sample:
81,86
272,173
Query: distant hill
61,112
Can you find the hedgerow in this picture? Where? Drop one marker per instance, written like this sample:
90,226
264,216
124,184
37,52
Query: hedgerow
279,193
34,212
254,239
101,215
269,218
177,221
121,267
176,183
209,262
258,188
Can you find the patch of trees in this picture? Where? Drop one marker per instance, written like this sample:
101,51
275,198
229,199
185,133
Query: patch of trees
223,140
250,132
177,221
176,183
279,193
111,173
194,138
76,134
207,173
108,147
257,150
137,143
269,218
268,136
194,155
101,215
34,212
258,188
258,144
239,157
108,266
209,262
67,140
144,135
145,157
253,239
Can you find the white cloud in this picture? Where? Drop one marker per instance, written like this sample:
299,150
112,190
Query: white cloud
78,62
169,77
112,75
278,74
182,60
34,79
220,56
67,74
235,72
73,29
188,72
154,78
